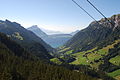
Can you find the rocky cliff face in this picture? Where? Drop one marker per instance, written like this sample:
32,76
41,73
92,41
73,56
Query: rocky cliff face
117,21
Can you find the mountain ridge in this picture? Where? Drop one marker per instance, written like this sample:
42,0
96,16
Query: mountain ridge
102,30
97,46
26,39
37,31
55,40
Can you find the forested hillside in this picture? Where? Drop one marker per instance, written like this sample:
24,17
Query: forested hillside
26,39
17,64
95,34
63,43
98,46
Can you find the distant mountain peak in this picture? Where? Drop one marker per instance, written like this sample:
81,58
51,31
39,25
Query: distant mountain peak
55,40
34,27
37,31
26,39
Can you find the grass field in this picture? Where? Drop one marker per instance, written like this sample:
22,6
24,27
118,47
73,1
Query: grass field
69,52
55,60
115,73
92,58
115,60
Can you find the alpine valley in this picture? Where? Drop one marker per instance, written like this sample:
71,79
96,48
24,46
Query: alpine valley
55,40
97,46
89,54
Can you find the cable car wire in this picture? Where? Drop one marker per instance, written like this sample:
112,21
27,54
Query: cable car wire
100,12
84,10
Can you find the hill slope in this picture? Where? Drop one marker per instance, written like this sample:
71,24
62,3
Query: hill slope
26,39
18,64
37,31
95,33
75,32
98,46
54,40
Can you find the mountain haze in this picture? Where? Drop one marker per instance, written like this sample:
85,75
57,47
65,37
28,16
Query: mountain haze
55,40
50,32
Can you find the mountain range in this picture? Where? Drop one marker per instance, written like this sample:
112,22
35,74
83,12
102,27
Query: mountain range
97,46
89,54
26,39
55,40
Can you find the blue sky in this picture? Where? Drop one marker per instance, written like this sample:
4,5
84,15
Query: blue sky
59,15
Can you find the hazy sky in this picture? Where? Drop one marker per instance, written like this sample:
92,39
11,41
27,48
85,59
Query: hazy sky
59,15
